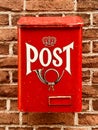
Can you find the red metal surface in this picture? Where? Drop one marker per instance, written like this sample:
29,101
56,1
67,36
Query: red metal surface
50,64
68,21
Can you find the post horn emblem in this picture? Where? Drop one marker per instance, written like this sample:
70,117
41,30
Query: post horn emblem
42,77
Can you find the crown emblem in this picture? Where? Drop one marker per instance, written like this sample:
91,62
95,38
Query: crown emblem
49,41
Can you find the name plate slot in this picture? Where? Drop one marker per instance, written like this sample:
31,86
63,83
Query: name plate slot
59,100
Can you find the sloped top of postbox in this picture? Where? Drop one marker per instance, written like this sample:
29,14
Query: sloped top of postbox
67,21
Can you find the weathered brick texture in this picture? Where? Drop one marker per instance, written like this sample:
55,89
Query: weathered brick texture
49,118
51,5
11,5
76,129
19,128
15,49
95,47
1,128
90,91
8,34
8,91
47,128
4,48
88,119
9,118
4,77
86,76
9,62
90,62
95,77
50,15
95,129
95,19
95,105
86,47
2,105
13,105
87,5
15,76
85,105
4,19
90,34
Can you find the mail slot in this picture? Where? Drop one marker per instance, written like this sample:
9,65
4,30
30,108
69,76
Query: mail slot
49,63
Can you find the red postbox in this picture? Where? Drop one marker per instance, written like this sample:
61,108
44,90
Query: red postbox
50,64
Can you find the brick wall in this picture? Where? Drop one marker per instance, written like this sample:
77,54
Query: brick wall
10,117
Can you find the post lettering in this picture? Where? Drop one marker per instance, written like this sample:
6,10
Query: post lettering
30,48
57,62
57,57
41,57
67,49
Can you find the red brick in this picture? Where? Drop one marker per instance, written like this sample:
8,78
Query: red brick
9,118
2,105
95,77
95,105
20,128
8,62
94,128
88,119
95,74
87,5
8,91
86,76
86,47
90,62
14,105
4,19
15,76
11,5
50,14
85,105
90,91
76,129
15,49
1,128
45,5
8,34
4,77
47,128
95,47
95,19
48,118
91,34
4,49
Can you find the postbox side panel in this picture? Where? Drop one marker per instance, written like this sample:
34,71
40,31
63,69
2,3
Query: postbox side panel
50,69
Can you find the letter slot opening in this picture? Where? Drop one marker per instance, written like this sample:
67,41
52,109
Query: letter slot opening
59,101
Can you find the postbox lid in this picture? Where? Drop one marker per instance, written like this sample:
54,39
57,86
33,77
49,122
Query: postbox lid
67,21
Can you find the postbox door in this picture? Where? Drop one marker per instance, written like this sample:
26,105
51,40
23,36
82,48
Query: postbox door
50,69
